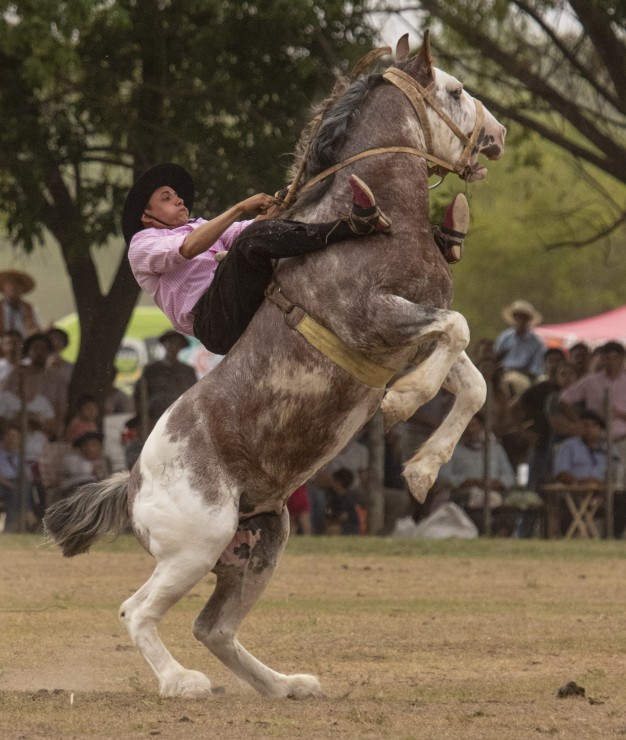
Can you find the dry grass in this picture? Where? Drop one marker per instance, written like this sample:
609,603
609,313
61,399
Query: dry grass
410,640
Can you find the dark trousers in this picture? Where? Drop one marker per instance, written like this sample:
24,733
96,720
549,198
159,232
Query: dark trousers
238,287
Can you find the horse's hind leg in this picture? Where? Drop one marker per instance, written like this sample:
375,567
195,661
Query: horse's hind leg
186,552
243,572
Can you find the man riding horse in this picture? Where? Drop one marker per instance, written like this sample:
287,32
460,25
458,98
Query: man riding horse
177,260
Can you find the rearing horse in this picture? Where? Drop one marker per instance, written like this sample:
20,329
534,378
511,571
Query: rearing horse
209,490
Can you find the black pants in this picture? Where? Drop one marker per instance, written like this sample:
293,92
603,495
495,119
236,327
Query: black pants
238,288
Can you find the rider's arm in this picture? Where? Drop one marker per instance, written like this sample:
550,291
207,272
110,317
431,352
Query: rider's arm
202,238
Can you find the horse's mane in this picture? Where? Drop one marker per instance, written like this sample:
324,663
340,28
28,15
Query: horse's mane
326,133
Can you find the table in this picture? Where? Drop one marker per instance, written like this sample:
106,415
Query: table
583,502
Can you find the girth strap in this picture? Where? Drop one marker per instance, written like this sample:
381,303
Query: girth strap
359,366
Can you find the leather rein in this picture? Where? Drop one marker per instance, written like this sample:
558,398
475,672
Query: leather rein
419,97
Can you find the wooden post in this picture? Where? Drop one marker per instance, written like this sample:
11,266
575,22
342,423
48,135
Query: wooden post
609,508
487,451
376,474
21,482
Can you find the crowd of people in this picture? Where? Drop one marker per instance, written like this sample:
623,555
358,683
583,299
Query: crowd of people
547,419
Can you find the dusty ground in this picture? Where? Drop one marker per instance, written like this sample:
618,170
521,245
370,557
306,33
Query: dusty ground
421,641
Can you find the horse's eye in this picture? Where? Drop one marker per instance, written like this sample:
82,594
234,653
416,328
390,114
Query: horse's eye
456,93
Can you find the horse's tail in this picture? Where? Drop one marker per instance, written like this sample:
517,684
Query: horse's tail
93,511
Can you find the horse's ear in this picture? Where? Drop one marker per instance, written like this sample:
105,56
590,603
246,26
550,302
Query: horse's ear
421,66
402,48
424,57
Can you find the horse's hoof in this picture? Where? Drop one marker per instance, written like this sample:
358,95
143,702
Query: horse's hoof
187,685
419,485
303,686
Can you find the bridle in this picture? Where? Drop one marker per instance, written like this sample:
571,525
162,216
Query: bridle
419,97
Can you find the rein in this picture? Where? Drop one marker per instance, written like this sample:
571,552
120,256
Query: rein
418,96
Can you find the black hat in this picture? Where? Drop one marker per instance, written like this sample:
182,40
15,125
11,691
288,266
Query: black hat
171,334
86,437
138,196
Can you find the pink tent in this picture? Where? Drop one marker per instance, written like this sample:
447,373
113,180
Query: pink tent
594,331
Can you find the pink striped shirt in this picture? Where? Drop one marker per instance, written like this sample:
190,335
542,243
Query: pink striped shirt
176,283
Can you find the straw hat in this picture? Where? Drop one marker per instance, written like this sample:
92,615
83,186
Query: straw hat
23,280
138,196
523,307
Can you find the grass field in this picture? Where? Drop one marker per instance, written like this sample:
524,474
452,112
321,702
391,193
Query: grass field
410,639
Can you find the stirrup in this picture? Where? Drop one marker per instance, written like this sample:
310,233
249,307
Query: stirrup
365,217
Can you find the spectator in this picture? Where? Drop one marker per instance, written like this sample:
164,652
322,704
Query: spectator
11,345
355,458
85,419
464,474
117,402
583,459
580,356
344,514
85,463
43,388
563,419
609,384
167,379
9,481
519,349
299,511
531,408
16,313
59,339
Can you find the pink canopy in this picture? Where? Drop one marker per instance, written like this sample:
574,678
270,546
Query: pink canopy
593,331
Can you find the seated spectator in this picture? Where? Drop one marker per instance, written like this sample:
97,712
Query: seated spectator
10,499
59,340
564,419
583,459
580,356
355,458
16,313
11,346
591,391
464,474
85,418
85,463
531,409
344,510
42,387
299,511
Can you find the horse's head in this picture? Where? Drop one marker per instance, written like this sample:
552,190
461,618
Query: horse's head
456,127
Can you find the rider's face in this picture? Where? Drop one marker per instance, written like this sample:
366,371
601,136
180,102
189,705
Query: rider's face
165,210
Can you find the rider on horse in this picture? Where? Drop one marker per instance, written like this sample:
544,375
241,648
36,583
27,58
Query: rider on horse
177,260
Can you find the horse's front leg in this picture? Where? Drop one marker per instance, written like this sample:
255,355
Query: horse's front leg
468,386
447,332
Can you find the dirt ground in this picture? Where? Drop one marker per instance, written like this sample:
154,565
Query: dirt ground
431,641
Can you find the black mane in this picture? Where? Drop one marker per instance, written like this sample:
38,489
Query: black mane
329,138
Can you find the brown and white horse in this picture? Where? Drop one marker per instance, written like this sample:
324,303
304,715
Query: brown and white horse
209,490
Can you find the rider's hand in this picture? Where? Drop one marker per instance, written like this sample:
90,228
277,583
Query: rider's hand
258,204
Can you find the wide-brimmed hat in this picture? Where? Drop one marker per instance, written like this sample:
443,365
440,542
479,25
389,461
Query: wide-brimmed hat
523,307
172,334
22,279
138,196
